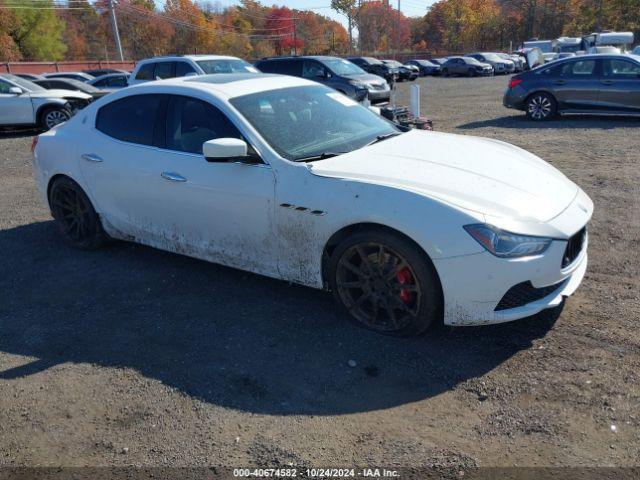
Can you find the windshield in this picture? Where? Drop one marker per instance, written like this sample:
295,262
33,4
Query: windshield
471,61
24,84
307,121
393,63
492,57
226,66
426,63
343,67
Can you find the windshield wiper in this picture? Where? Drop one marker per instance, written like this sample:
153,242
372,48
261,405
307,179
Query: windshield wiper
380,138
322,156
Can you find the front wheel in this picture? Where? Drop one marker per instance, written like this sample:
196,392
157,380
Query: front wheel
445,72
541,106
75,217
386,283
53,116
471,72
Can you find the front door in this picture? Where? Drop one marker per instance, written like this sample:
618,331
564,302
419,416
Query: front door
220,211
14,109
577,84
620,86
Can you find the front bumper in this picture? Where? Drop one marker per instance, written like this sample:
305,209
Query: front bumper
379,95
474,285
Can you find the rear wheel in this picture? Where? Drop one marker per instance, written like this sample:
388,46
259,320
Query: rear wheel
541,106
75,217
53,116
386,283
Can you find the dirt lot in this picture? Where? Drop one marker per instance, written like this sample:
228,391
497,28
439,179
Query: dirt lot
130,355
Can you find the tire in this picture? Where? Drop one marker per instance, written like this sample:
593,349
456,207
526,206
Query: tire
52,116
445,72
76,220
386,283
471,72
541,107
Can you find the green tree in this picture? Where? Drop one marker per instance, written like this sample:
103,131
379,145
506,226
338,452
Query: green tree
39,31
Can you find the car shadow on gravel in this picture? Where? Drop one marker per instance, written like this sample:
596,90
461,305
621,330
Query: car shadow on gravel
566,122
18,132
226,337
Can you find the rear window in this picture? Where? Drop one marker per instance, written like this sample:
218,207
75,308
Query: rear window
130,119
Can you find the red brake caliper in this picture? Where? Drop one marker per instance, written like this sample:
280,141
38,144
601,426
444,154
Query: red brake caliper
404,278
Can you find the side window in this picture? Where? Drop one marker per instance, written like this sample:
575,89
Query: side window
146,72
4,86
183,68
117,82
130,119
313,69
266,67
581,68
100,83
191,122
164,70
289,67
621,69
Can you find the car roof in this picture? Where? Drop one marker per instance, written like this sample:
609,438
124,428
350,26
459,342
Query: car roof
188,57
298,57
227,85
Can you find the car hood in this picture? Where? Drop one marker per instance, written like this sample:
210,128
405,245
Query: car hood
367,78
478,174
60,94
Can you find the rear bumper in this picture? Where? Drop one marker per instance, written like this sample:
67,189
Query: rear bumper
515,98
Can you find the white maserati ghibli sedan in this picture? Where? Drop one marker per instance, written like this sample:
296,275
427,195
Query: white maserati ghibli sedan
287,178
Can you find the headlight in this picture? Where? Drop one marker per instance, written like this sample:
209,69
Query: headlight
357,84
506,244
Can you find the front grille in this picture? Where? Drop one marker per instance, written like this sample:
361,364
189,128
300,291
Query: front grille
524,293
574,247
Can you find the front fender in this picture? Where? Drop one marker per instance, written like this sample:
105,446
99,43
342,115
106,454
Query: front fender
309,216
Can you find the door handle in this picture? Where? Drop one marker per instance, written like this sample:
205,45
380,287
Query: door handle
173,177
607,82
90,157
560,82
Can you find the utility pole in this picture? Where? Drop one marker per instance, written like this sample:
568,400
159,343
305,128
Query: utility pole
398,32
295,38
114,26
360,27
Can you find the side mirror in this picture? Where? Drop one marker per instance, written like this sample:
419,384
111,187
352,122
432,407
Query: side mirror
224,149
15,91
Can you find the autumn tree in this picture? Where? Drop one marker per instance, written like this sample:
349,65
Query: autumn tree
9,51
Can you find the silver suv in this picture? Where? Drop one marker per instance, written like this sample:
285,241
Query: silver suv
23,103
159,68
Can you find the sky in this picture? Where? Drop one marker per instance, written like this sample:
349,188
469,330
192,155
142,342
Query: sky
411,8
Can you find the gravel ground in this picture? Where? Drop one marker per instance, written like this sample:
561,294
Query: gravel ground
133,356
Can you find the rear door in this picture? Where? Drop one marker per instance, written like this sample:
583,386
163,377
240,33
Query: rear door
119,162
620,85
576,84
